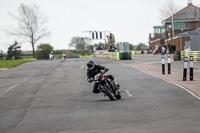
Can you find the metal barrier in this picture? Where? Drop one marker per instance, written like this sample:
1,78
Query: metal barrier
195,54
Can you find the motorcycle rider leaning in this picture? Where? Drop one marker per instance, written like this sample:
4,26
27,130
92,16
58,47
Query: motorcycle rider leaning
92,70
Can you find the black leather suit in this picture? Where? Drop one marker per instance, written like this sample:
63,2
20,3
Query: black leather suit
92,72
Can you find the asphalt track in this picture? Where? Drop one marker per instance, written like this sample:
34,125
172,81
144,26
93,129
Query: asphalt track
54,96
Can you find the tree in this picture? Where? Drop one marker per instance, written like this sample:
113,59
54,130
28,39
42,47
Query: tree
15,51
30,26
168,9
79,43
131,47
43,51
90,48
101,46
141,46
1,55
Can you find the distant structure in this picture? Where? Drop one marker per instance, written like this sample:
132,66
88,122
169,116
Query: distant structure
181,29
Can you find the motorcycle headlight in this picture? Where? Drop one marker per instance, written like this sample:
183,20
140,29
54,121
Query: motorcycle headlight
97,77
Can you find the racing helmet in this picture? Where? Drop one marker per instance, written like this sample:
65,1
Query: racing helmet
90,64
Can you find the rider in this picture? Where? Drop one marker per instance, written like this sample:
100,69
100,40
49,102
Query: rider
64,55
92,70
51,55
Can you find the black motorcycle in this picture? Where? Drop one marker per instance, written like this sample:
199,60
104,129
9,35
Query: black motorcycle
108,85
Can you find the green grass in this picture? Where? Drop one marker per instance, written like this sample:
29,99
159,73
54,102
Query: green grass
24,57
13,63
27,57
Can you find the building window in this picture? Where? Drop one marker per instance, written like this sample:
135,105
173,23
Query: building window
198,24
163,30
187,25
180,25
159,30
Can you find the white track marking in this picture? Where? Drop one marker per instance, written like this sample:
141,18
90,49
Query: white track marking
25,79
82,66
128,93
16,84
12,87
193,94
124,64
32,74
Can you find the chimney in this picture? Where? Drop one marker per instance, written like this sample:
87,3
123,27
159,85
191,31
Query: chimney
150,38
189,2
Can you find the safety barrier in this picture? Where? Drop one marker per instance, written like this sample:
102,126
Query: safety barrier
195,54
85,56
125,56
114,56
138,52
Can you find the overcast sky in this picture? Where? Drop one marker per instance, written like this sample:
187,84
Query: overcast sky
129,20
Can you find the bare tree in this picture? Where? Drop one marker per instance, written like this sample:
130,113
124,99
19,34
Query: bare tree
168,9
79,43
30,26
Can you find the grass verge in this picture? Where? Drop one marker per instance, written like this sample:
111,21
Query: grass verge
13,63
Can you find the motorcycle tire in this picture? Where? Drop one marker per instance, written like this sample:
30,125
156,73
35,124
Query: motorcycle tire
109,93
118,96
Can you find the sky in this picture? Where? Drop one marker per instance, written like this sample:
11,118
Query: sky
129,20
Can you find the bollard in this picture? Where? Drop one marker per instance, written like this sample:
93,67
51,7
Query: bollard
163,63
191,68
185,69
169,63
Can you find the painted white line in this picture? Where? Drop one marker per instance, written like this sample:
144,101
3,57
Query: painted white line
128,93
155,62
124,64
1,94
25,79
82,66
32,74
193,94
11,88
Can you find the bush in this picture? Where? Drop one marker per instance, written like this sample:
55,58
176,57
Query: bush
43,51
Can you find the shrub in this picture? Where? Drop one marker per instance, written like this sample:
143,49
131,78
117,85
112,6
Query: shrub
43,51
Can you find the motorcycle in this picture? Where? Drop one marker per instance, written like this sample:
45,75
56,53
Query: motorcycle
108,85
51,57
64,56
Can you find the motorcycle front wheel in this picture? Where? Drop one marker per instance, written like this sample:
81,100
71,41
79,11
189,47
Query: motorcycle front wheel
118,96
107,91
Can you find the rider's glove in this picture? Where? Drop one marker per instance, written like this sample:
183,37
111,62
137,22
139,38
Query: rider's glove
89,80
